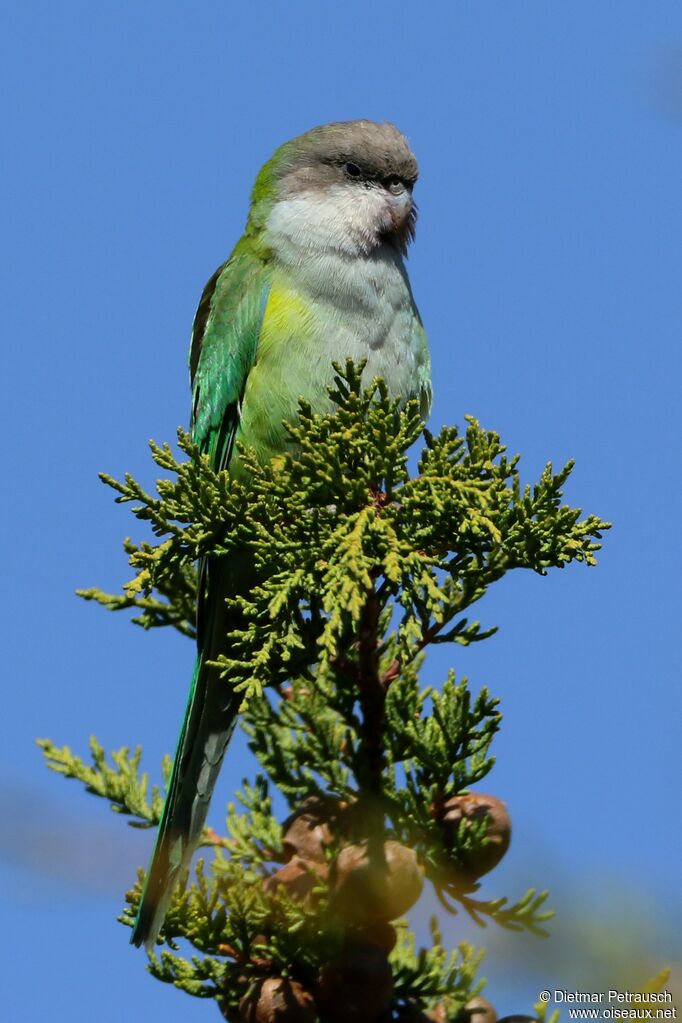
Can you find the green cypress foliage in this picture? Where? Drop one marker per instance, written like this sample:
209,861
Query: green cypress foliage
360,567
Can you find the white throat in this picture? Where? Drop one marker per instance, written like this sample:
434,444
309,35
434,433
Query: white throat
346,220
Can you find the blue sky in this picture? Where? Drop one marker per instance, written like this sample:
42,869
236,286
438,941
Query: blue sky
547,270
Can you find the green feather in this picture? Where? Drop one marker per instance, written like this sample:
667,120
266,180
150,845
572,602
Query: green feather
223,348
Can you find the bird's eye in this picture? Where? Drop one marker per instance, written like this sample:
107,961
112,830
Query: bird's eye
394,184
352,170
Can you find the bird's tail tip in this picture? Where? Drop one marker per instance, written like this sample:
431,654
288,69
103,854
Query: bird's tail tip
147,926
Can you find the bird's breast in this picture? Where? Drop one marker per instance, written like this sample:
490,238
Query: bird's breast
327,308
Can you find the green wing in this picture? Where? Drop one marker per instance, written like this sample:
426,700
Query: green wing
223,349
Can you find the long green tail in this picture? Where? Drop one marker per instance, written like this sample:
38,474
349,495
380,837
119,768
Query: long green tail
209,722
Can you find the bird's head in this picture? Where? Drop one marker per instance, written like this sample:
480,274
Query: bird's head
345,186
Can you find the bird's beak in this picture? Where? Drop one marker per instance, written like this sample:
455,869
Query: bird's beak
404,218
401,209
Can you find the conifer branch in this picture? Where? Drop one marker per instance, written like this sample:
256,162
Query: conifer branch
360,568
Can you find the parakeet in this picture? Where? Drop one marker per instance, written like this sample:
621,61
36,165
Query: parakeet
318,276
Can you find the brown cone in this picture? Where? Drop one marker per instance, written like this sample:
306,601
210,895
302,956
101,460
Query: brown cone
297,878
310,829
459,812
371,887
477,1010
278,1000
